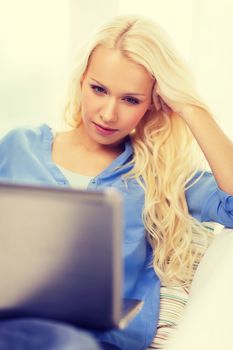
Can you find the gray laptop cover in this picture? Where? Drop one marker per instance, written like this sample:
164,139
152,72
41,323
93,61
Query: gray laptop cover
60,255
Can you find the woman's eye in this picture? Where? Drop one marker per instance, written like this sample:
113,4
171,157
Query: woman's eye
131,100
98,89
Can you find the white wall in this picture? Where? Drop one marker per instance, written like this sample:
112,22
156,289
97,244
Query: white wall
86,15
38,40
34,56
213,57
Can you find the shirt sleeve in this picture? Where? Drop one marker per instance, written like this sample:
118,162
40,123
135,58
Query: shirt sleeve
207,202
10,155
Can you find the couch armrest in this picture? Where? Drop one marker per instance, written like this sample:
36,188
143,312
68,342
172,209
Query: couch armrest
207,319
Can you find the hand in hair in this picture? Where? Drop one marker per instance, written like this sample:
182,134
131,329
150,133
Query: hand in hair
163,103
160,104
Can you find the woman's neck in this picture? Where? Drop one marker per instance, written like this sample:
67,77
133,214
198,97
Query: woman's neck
73,151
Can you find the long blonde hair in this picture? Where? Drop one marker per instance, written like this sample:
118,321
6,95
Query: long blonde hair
165,157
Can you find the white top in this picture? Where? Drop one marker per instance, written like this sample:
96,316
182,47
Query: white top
76,180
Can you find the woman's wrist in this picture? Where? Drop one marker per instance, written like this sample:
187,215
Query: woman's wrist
189,112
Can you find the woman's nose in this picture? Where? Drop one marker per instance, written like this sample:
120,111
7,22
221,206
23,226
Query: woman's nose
109,111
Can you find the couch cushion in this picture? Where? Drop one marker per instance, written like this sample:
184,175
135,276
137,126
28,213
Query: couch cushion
173,301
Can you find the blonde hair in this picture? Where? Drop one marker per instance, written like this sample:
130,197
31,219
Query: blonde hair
164,149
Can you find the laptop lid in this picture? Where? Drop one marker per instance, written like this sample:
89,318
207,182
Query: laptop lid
60,255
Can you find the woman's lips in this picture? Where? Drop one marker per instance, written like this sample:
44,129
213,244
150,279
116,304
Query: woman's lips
104,130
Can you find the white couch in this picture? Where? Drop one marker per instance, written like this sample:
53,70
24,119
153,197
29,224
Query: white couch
205,314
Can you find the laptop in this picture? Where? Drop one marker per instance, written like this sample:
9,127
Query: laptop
61,256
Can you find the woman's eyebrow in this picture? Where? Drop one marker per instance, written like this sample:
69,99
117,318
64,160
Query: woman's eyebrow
126,93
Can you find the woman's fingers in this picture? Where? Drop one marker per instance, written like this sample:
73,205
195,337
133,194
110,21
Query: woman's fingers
166,109
161,105
157,102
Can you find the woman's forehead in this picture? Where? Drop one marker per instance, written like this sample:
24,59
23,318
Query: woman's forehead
109,66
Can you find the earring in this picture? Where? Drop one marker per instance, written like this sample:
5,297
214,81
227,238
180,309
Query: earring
132,132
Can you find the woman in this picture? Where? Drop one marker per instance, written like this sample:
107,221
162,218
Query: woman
134,114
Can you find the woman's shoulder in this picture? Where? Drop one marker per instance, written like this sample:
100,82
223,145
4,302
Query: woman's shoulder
201,178
26,135
207,202
200,186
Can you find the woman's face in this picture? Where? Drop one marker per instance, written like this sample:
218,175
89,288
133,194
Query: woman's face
116,93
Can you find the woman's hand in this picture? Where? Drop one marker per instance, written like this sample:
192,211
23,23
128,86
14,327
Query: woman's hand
166,105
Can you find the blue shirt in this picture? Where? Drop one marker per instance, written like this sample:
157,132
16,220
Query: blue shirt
25,157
